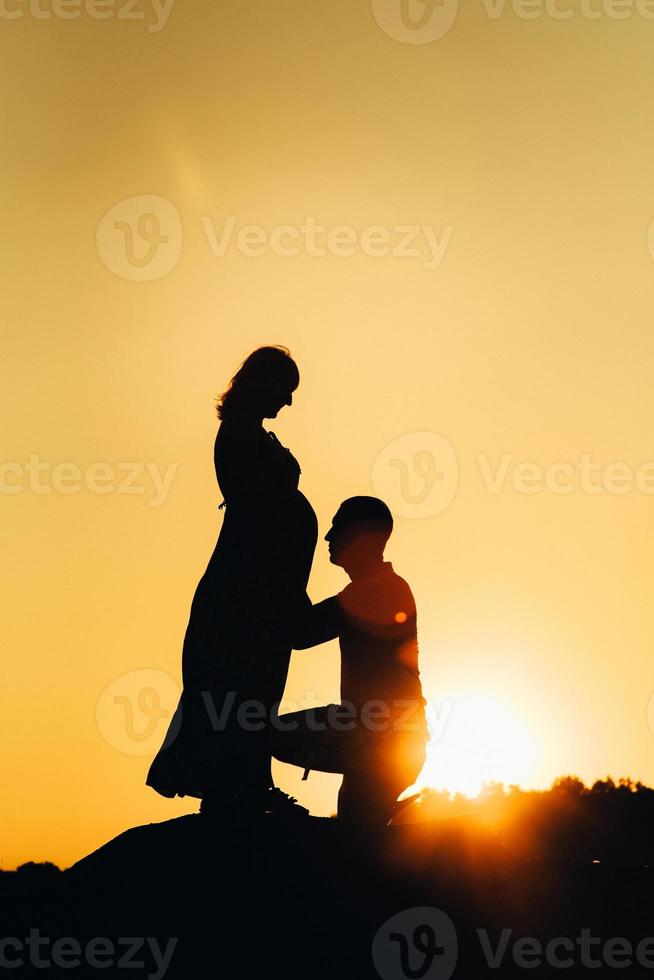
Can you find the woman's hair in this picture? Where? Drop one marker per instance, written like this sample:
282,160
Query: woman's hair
266,367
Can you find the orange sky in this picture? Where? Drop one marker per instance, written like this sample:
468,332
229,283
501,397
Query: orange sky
452,238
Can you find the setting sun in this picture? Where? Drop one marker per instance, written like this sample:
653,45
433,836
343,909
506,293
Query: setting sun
476,739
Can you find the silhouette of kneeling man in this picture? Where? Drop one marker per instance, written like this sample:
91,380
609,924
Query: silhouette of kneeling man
376,736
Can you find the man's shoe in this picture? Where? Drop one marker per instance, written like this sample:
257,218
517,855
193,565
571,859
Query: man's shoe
401,805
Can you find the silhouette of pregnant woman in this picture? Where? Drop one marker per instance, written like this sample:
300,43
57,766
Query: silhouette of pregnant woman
238,641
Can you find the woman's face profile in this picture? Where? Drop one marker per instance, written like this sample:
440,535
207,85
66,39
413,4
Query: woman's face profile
274,397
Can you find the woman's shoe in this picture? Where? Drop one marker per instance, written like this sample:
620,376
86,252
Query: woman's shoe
280,804
221,807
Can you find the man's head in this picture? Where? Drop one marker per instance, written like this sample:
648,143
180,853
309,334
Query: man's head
359,532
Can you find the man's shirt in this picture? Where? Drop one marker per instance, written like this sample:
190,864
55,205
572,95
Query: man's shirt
374,618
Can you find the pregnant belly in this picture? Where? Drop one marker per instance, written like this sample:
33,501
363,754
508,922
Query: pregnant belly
305,516
249,550
303,534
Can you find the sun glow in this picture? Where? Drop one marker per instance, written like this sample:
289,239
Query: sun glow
477,739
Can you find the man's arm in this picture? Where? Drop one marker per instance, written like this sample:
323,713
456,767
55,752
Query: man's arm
317,624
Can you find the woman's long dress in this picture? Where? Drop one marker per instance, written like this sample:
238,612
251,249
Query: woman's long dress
237,645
